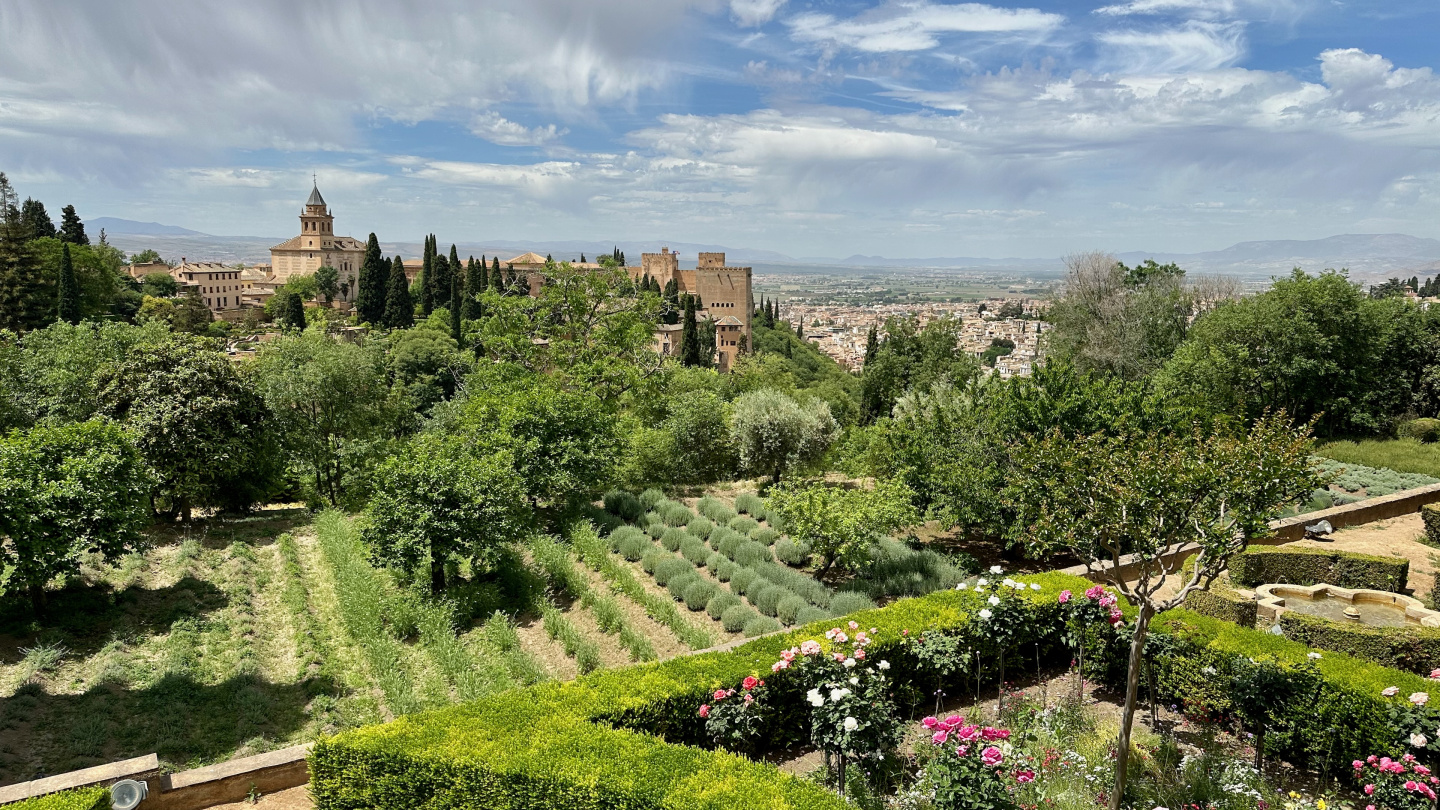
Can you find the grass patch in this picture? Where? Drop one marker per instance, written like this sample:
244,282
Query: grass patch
1400,455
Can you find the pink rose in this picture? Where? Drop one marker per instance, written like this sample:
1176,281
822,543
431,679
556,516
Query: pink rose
1420,698
854,626
749,699
1064,597
1369,790
1094,592
1411,785
1357,764
953,722
930,722
1435,674
860,655
1422,770
1024,777
991,756
788,655
705,710
777,666
962,750
719,694
841,638
749,682
1369,807
809,647
969,732
839,656
940,736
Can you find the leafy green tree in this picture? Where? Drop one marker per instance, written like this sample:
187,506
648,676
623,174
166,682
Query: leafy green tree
1311,346
146,256
438,500
912,357
203,432
66,492
159,285
1149,495
72,230
842,524
1120,320
327,282
67,297
374,284
51,371
294,310
22,300
426,367
97,272
331,401
399,309
689,336
36,220
564,445
872,345
699,422
773,434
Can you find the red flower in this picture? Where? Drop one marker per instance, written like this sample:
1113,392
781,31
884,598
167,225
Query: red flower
749,682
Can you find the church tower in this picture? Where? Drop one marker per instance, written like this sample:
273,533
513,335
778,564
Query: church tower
316,223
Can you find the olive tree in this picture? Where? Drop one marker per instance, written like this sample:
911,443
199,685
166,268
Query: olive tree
1130,506
64,492
441,498
774,434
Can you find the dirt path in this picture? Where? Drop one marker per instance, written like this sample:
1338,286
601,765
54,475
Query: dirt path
1396,537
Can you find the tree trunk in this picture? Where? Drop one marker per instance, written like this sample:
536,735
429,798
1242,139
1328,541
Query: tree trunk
437,571
841,773
37,599
1150,680
1132,690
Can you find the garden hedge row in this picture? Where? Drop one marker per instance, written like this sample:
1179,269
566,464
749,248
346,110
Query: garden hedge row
618,738
1312,566
1430,514
1415,649
1222,603
89,798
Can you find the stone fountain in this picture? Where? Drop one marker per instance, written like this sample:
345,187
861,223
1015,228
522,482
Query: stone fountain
1360,606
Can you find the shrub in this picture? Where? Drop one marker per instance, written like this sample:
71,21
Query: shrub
695,551
714,560
1421,430
700,527
671,567
899,570
789,607
725,541
707,504
1412,648
650,497
812,590
1311,566
672,538
677,584
847,602
698,594
90,798
619,535
623,505
677,514
760,625
634,546
764,534
1223,603
775,520
743,525
764,595
654,525
749,553
792,553
652,558
1430,513
748,503
736,617
810,614
723,569
741,579
721,602
1353,478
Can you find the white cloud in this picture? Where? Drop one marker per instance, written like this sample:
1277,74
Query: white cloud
498,130
1208,9
750,13
916,25
1193,46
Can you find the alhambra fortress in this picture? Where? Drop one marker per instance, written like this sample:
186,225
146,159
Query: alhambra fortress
724,292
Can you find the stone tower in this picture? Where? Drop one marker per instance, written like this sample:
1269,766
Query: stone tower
316,223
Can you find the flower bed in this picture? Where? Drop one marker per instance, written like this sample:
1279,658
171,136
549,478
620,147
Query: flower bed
1312,566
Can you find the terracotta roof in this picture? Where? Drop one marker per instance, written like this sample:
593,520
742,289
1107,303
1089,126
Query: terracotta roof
527,258
293,243
730,320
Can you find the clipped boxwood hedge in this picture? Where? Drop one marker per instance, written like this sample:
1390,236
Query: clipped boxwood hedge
1312,566
89,798
608,739
1430,513
1416,649
1224,604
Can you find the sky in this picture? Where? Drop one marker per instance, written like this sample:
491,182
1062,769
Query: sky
903,128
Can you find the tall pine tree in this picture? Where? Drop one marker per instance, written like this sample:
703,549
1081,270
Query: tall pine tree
399,309
20,288
689,336
374,281
475,283
36,219
67,295
455,331
72,230
426,281
872,344
454,280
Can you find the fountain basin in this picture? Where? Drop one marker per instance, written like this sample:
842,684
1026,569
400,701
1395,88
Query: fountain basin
1351,606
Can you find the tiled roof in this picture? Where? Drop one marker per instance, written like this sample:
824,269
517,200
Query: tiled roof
527,258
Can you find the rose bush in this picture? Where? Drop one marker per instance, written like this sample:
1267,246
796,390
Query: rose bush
1391,784
970,769
736,719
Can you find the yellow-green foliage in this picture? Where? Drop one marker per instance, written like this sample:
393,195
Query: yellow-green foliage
90,798
1311,566
1412,648
1430,514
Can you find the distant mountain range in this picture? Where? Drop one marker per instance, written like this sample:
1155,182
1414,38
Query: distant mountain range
1366,255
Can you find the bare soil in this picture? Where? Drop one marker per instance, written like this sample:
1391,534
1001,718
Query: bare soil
1396,537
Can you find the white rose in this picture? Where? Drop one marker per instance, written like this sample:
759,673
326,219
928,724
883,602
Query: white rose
849,663
995,569
851,724
883,665
815,697
981,582
994,600
985,613
1008,582
1034,586
1418,740
1313,656
962,586
854,681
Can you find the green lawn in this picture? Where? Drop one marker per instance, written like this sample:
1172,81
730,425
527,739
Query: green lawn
1401,455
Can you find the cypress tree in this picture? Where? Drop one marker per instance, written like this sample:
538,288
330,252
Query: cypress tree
72,230
426,280
800,330
671,305
374,279
399,309
689,337
582,258
68,295
872,344
294,311
455,331
449,296
496,275
475,283
760,310
707,343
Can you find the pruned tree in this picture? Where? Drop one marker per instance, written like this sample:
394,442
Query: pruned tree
1130,506
842,524
399,309
774,434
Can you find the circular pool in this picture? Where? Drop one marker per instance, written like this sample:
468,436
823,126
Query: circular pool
1358,606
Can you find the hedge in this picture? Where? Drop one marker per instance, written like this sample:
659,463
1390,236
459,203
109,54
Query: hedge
1224,604
609,739
89,798
1312,566
1416,649
1430,513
